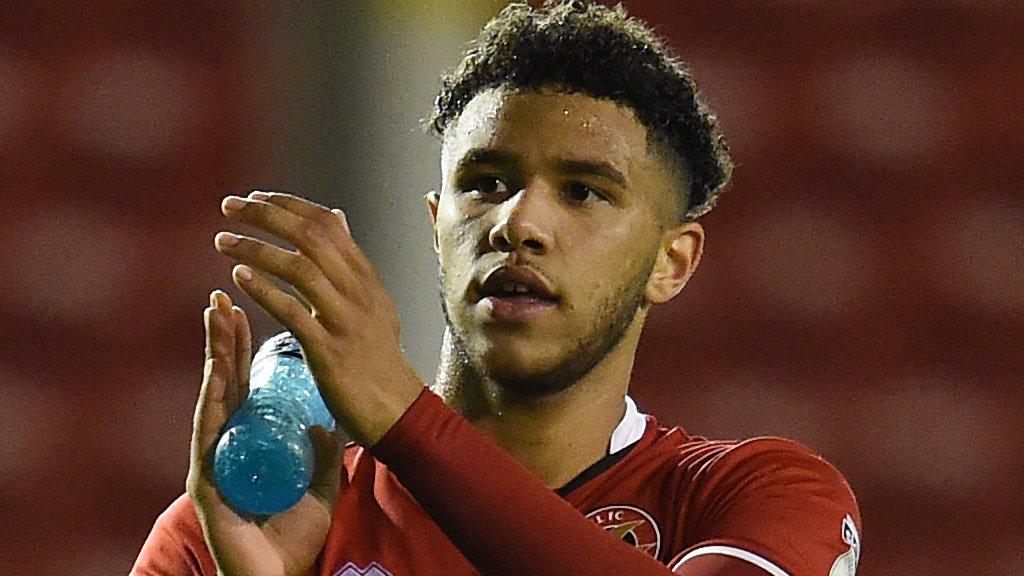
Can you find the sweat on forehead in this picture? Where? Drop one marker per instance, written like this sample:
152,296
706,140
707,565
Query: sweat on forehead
545,122
560,106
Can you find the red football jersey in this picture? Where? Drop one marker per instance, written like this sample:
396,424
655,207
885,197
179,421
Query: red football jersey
434,492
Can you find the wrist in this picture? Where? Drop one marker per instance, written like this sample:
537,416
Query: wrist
391,407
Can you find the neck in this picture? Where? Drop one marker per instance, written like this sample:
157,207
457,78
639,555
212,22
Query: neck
555,436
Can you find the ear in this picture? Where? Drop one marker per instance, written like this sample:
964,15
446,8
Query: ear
678,256
433,199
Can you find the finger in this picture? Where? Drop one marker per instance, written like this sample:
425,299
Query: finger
290,202
243,352
301,206
293,268
220,336
344,220
222,305
307,228
282,306
311,210
321,237
328,474
211,408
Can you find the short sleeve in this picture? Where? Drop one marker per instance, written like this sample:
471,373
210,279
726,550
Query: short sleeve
773,503
175,546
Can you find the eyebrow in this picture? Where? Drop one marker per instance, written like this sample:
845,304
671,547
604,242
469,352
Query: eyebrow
591,168
492,157
486,156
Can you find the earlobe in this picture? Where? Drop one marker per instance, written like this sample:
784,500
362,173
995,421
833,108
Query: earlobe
433,200
678,256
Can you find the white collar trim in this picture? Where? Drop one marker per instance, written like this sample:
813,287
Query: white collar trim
630,428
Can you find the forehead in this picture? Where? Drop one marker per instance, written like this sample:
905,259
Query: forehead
535,125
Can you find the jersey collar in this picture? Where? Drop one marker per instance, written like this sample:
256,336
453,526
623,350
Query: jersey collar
630,428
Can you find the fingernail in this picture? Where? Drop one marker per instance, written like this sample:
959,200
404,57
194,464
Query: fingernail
344,219
232,203
257,195
215,298
225,239
243,272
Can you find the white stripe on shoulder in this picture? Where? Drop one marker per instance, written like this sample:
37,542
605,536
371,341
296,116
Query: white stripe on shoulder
630,428
735,553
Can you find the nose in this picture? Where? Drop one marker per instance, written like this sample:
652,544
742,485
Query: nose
522,224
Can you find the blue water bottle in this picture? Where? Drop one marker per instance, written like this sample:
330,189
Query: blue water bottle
264,460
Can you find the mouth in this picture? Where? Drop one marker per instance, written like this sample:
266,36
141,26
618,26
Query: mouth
516,293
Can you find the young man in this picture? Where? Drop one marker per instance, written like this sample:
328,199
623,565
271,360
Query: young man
575,161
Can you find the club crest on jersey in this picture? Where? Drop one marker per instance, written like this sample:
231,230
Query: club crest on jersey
846,563
631,525
373,569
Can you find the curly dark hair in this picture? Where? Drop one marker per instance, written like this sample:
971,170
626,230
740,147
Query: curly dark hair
574,46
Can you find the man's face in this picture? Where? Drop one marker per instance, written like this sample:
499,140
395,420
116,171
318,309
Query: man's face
547,227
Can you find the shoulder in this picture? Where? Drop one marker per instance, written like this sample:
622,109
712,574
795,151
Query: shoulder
767,498
702,468
699,461
775,473
769,459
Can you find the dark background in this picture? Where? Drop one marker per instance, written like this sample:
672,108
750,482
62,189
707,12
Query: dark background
861,291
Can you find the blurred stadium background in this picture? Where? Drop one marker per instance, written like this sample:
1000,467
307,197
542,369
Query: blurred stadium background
862,290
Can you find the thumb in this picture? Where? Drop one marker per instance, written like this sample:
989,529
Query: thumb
329,474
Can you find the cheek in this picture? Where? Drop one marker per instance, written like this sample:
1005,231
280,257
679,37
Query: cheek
601,246
606,230
462,228
608,260
452,261
457,248
457,243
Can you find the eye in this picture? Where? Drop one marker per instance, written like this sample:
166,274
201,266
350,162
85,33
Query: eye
581,193
486,186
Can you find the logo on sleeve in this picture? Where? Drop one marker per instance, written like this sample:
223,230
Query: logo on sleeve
373,569
846,563
630,524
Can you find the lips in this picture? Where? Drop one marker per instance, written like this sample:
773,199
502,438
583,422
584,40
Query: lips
516,282
516,293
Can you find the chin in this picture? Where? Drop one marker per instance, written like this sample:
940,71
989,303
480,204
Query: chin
523,373
530,385
513,361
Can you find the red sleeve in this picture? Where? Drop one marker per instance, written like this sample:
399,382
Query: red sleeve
175,546
498,514
774,503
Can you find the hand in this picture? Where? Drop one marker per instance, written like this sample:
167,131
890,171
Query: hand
350,336
285,544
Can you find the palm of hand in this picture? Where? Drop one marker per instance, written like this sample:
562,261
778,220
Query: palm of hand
285,544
